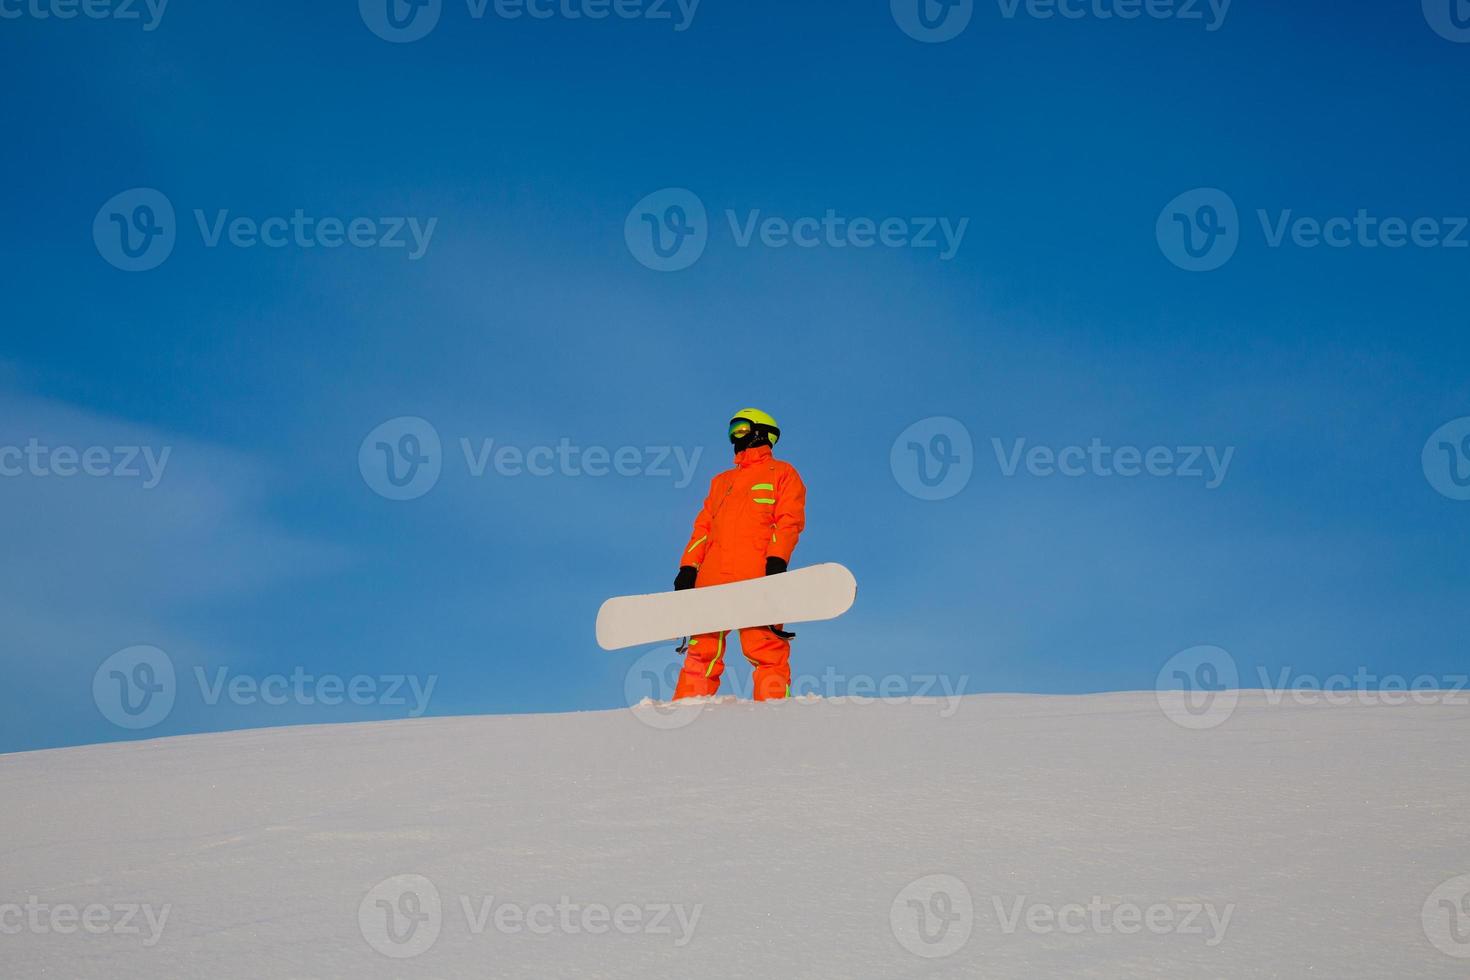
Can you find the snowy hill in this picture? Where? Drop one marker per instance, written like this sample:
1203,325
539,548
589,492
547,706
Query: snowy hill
997,836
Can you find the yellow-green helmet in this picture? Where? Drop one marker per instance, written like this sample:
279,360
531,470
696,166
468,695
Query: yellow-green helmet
761,420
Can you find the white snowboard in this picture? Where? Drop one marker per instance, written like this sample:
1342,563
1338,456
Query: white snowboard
798,596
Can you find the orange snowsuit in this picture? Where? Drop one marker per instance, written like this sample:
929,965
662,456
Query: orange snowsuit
753,511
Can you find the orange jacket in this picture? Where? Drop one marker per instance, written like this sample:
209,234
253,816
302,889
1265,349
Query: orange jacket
754,510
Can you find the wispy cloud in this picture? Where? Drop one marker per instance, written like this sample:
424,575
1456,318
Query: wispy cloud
101,560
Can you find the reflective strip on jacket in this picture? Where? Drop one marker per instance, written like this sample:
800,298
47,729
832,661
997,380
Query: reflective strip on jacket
756,509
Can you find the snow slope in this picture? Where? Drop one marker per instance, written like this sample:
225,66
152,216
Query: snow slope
1021,836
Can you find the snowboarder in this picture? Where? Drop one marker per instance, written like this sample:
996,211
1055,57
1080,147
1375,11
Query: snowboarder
747,528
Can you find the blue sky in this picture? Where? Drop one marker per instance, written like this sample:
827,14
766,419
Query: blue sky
1060,318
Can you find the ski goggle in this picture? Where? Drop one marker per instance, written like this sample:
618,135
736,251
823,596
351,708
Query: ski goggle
739,429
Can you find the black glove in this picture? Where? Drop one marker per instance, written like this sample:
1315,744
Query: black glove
685,578
774,565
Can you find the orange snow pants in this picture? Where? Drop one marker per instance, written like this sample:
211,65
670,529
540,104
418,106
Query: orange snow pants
768,653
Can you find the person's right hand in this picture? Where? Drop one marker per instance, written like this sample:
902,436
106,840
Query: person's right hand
686,577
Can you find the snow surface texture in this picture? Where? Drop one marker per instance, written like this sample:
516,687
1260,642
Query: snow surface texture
995,836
